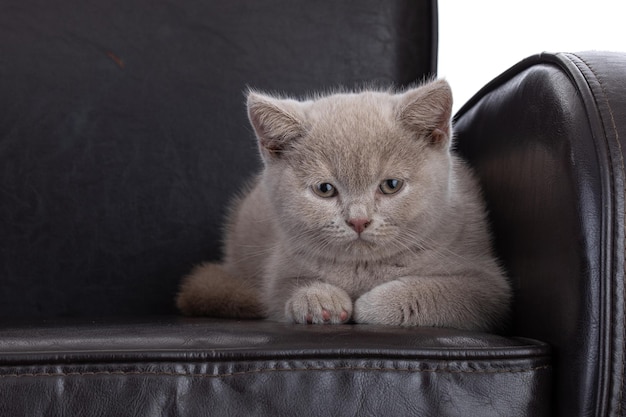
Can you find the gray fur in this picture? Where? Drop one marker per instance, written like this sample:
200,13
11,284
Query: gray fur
423,258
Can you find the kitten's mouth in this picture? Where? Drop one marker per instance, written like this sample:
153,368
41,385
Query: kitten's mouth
362,241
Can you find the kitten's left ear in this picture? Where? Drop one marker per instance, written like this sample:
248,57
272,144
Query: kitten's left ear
428,109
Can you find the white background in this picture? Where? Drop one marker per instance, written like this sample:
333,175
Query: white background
479,39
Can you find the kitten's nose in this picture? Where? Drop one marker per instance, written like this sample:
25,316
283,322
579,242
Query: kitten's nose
359,224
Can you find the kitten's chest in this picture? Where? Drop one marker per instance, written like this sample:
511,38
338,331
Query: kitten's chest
359,277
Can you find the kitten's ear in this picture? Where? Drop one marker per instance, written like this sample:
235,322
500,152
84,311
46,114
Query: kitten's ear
428,110
276,122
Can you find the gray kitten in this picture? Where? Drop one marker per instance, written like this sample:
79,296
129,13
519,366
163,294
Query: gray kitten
362,213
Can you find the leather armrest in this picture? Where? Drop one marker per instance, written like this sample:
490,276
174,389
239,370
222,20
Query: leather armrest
547,138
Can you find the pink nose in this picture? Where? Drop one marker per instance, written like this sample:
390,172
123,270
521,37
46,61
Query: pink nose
359,224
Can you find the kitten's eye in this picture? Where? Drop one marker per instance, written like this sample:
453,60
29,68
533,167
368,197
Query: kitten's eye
325,190
391,186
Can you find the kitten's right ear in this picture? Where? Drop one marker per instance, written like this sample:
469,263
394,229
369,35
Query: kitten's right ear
276,122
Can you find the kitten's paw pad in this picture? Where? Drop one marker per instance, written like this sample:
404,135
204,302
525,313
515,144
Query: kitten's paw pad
388,304
319,303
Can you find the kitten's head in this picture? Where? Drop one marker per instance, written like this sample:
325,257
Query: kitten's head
359,175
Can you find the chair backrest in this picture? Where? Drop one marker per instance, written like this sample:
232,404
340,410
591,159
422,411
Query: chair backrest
123,132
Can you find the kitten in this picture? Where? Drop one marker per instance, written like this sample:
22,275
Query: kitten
362,213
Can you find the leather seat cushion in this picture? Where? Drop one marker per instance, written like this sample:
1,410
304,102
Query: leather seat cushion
177,366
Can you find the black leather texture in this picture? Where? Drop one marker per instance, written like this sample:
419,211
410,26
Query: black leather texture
547,140
123,137
123,132
215,367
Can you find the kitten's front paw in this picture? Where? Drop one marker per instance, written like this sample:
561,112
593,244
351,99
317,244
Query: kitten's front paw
389,303
319,303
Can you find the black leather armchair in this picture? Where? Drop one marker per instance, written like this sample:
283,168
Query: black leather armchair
123,136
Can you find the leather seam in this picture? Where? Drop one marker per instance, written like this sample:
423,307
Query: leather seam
270,370
621,154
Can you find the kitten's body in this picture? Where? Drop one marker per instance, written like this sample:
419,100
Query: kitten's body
411,252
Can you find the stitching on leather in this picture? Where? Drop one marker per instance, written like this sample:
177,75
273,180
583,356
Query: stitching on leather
271,370
608,103
621,155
